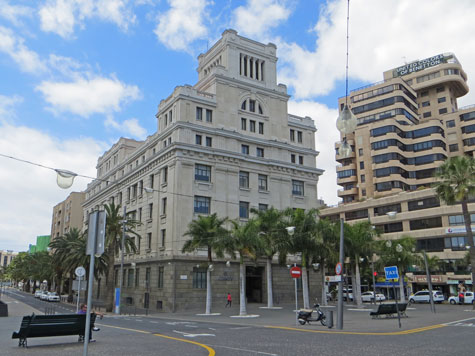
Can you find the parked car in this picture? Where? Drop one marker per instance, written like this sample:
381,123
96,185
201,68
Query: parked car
468,298
369,297
347,294
38,293
44,295
423,296
53,297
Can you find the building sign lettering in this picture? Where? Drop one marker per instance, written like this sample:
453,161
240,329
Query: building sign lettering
419,65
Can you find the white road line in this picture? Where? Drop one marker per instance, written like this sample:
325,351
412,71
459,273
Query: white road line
459,321
245,350
185,334
138,320
154,322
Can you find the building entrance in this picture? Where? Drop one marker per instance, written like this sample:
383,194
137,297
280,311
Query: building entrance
254,284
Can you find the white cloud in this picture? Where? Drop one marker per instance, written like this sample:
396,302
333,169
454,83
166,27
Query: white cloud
130,128
87,96
30,215
63,16
325,138
13,13
257,17
182,24
12,45
7,104
403,30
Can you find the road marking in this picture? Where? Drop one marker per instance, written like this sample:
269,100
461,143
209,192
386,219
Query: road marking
245,350
459,321
211,352
363,310
138,320
154,322
184,333
404,332
179,322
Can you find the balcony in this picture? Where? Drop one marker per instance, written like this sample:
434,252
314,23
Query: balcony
344,193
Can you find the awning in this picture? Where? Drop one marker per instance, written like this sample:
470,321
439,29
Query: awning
388,284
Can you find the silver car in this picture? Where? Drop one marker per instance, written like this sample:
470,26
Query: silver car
424,297
369,297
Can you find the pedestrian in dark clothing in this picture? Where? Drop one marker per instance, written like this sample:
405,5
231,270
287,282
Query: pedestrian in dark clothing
230,300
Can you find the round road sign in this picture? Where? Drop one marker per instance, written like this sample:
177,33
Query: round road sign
295,272
80,271
338,268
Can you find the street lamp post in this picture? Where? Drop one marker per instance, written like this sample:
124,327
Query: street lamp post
118,293
339,324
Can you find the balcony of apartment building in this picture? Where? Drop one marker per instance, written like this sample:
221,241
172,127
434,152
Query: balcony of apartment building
348,190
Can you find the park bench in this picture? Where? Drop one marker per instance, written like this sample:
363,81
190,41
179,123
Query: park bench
389,310
52,325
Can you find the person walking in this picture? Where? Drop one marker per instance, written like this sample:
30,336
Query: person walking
230,300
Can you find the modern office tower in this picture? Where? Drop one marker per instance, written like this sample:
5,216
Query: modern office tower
67,215
407,125
224,145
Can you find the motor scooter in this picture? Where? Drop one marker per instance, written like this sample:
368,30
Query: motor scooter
305,315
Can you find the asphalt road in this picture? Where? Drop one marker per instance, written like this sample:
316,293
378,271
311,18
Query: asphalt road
179,335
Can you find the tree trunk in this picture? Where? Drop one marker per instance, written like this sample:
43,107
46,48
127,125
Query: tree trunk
353,285
110,287
70,288
242,291
208,291
324,292
306,303
357,289
469,234
401,287
270,297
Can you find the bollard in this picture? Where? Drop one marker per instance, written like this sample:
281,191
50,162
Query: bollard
329,316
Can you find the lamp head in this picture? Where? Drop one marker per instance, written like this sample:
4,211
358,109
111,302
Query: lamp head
346,122
148,190
64,178
290,230
345,149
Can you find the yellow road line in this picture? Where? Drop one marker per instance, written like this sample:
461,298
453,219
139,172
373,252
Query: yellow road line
405,332
211,352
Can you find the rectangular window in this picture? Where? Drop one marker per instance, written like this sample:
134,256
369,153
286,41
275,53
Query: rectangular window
263,207
164,175
356,214
292,135
427,114
149,240
362,178
261,128
440,89
209,141
209,115
363,192
455,220
170,116
147,277
150,181
137,277
428,223
160,277
262,182
128,194
150,210
252,126
426,203
140,214
165,119
243,124
199,113
163,237
198,139
244,210
130,278
443,111
450,123
202,205
454,147
164,206
360,151
243,179
252,105
292,158
361,165
199,278
300,159
202,173
441,100
297,187
425,104
138,240
259,152
299,137
245,149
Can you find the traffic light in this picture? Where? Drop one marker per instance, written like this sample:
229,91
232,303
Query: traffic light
375,274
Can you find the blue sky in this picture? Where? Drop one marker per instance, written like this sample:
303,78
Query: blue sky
75,75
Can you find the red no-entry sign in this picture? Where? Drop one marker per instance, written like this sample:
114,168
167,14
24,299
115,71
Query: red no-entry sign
295,272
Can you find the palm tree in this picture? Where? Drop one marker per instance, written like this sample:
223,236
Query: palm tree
206,232
456,184
358,241
327,251
305,242
398,253
273,238
245,240
114,231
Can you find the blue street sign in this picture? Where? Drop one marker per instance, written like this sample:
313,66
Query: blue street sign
391,272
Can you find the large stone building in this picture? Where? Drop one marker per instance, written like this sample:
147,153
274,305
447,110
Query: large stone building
67,215
408,124
225,145
6,257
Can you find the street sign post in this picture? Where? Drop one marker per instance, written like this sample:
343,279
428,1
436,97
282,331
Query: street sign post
80,272
295,273
338,268
393,274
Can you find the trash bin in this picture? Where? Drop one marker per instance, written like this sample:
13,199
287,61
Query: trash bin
3,309
329,316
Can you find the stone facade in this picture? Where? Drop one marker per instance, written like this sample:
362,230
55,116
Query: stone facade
67,215
225,145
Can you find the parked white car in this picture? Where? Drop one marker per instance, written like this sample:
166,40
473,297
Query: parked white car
424,297
44,295
53,297
38,293
348,295
369,297
468,298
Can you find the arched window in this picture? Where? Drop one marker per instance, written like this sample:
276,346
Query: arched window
252,106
